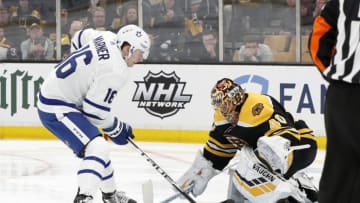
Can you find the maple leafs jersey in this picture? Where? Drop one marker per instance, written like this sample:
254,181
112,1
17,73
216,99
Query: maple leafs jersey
84,36
88,80
259,115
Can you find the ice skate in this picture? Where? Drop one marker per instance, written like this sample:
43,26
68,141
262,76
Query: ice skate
306,184
81,198
116,197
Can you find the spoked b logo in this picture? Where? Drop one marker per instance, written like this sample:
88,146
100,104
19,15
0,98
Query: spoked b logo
161,94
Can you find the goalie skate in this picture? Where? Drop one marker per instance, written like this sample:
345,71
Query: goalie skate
116,197
306,184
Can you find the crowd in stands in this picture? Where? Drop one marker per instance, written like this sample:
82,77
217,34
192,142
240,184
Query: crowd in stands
181,30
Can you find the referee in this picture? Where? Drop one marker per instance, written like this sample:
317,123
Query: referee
335,49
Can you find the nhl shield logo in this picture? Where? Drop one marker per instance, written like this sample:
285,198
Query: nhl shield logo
161,94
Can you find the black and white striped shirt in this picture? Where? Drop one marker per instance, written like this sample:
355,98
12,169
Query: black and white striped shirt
335,41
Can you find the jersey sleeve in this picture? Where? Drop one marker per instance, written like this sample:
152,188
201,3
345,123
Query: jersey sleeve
217,148
322,39
100,97
81,38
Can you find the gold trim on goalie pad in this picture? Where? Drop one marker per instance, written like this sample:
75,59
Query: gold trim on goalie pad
256,187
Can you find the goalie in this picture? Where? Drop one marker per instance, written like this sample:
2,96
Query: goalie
273,148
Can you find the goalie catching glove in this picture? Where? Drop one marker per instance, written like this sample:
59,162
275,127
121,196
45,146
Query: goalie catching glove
198,175
119,132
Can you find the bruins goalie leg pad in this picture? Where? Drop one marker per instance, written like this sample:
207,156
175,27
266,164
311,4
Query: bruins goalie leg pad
258,184
199,174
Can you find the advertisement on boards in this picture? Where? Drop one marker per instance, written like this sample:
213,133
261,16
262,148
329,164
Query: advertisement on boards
173,96
178,96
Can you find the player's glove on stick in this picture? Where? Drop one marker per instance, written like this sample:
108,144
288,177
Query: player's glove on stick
119,132
199,174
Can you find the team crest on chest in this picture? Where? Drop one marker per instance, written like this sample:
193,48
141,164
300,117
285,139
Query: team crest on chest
256,110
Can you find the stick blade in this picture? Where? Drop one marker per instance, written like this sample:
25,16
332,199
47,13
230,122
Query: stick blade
148,192
228,201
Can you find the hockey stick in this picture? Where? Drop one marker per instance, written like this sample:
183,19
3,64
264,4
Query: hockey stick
176,195
162,172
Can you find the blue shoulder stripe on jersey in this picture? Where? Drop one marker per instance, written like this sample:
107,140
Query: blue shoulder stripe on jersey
47,101
79,37
104,108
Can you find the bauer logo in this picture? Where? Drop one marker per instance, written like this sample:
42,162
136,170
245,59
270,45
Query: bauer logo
161,94
254,83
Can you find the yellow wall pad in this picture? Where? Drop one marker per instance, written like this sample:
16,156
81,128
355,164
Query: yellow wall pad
147,135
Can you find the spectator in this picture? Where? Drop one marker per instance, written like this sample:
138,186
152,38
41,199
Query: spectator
208,51
7,48
98,21
111,18
249,17
194,25
4,15
167,30
37,46
148,20
199,16
77,9
288,23
306,13
14,33
64,20
287,18
108,6
204,11
23,14
75,26
319,4
253,51
65,38
130,15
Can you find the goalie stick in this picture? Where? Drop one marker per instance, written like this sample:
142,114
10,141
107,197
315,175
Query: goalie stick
187,190
162,172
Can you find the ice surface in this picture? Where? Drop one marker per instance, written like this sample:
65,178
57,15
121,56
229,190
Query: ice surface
45,171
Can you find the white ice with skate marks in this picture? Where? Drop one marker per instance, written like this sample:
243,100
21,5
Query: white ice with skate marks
45,171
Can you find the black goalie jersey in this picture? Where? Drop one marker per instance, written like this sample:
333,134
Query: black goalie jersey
259,115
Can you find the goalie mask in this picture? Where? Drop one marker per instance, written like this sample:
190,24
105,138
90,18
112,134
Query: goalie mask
226,95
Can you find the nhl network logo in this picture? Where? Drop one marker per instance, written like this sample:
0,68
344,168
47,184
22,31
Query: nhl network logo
161,94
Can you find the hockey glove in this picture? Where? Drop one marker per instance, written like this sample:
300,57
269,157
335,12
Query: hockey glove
119,132
275,150
199,174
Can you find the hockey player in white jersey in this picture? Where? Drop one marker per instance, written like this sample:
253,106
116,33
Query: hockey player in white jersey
74,102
